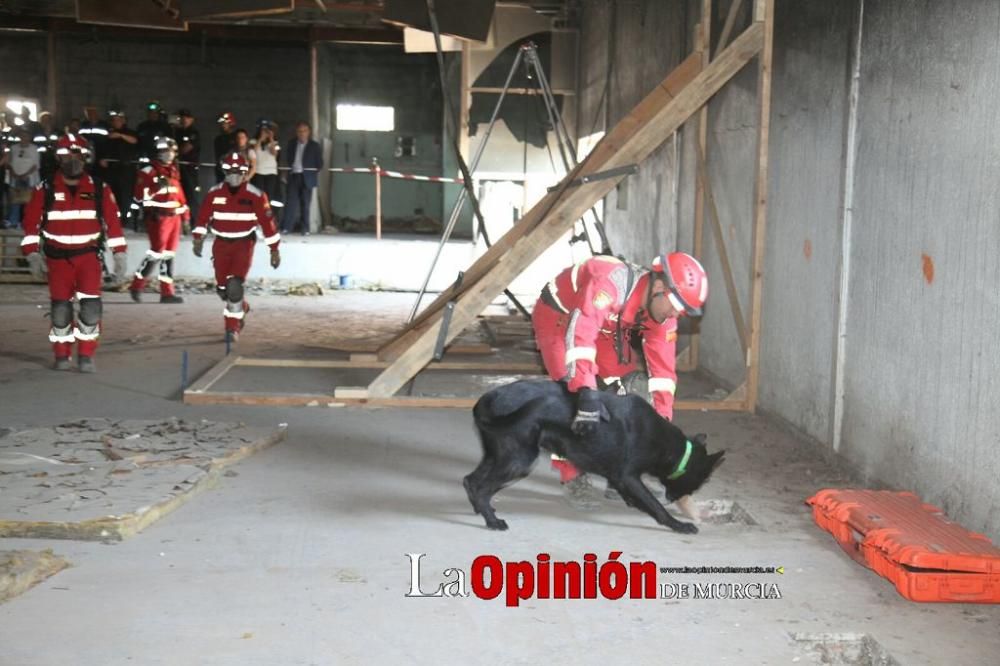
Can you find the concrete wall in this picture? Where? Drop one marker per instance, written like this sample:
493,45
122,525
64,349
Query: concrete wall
921,384
642,44
919,367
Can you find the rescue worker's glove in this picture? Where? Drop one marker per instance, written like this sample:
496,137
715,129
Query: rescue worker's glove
121,266
198,243
186,227
36,263
275,258
588,412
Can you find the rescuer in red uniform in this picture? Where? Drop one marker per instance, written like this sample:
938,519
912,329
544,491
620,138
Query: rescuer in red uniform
70,218
232,210
599,318
159,198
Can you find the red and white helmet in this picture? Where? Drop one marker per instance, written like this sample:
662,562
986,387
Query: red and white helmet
72,143
227,117
686,280
234,162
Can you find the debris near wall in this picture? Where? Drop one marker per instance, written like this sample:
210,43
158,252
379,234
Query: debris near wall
104,480
416,224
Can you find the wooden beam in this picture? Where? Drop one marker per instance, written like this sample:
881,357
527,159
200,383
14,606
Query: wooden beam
703,43
484,367
763,16
214,374
595,161
727,29
323,400
727,269
637,135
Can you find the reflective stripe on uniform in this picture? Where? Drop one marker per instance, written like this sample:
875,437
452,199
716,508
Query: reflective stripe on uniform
233,234
572,276
29,240
272,239
235,217
232,315
577,353
80,295
116,242
72,240
72,215
80,335
662,384
150,203
55,337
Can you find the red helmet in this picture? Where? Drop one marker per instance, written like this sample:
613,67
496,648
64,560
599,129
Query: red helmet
72,143
686,280
234,162
227,117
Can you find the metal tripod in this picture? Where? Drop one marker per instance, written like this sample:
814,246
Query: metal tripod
528,56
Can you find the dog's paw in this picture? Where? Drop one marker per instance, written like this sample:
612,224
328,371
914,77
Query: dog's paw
497,524
686,528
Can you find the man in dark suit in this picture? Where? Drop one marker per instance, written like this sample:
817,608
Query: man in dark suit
305,159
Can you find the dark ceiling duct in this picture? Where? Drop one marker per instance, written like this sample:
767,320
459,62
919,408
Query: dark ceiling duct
467,19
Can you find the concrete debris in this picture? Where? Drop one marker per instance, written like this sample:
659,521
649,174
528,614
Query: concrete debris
103,479
20,570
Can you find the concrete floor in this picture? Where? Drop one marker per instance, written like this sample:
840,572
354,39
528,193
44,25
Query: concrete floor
300,558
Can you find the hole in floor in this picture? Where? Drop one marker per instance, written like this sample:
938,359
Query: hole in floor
724,512
845,649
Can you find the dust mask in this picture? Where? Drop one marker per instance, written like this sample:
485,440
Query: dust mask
234,179
71,167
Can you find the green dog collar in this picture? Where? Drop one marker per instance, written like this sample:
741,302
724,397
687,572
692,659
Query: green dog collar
682,465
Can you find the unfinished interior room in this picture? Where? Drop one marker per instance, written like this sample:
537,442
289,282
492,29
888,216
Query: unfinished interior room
493,331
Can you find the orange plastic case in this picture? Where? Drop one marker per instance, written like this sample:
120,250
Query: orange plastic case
925,555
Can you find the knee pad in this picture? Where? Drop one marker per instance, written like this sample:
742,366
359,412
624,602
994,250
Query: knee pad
220,291
234,289
62,314
90,311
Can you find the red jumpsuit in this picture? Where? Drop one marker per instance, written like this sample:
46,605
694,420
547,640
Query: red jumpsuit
159,194
233,215
575,323
72,232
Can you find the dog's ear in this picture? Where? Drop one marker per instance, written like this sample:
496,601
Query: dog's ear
717,458
700,438
605,414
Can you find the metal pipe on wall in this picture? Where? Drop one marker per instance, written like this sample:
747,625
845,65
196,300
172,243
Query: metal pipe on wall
846,222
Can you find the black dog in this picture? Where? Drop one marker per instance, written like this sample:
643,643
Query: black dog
515,421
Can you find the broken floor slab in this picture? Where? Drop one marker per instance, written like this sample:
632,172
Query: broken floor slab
20,570
105,480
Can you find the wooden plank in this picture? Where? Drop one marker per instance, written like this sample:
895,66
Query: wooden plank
128,13
363,358
764,16
727,29
727,269
484,366
643,130
214,374
704,44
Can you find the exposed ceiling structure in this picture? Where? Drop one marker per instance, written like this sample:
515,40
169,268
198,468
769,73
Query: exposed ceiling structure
342,14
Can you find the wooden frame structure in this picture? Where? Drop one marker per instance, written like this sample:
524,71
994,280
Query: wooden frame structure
682,95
